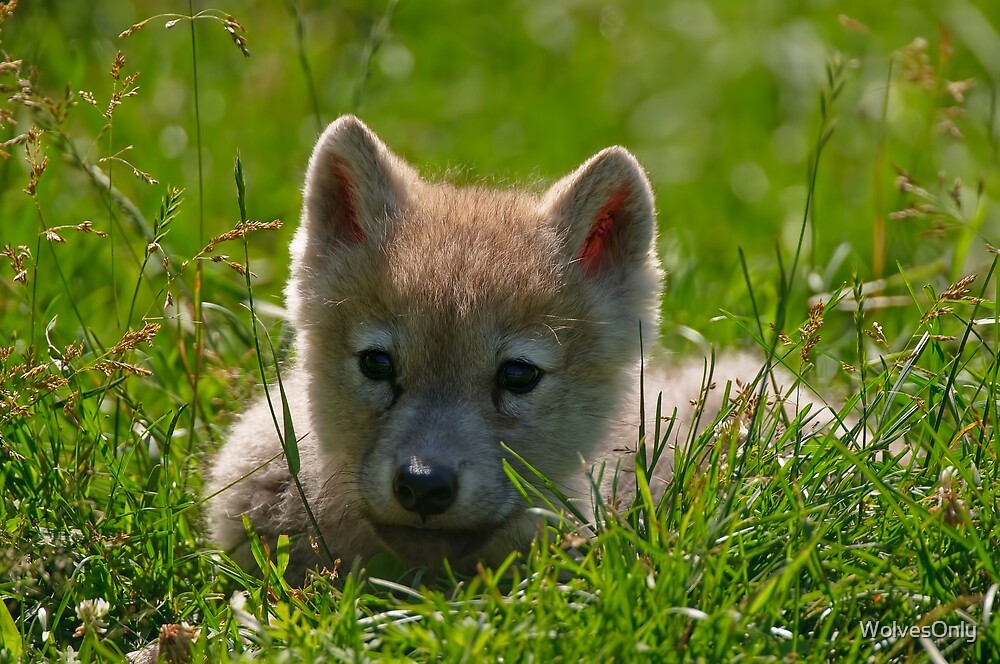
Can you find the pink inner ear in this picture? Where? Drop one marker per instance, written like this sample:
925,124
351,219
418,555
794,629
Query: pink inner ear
601,236
346,223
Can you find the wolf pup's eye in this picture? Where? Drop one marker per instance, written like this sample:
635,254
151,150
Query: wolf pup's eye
377,365
518,377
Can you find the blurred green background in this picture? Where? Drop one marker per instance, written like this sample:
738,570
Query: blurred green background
719,100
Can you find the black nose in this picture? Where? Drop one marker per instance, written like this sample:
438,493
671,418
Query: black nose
425,488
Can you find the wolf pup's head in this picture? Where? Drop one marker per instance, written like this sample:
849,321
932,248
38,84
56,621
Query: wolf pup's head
435,322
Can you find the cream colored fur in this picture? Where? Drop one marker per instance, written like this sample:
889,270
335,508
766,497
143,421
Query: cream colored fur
452,283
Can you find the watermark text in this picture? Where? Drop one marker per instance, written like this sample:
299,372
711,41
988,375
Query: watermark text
935,630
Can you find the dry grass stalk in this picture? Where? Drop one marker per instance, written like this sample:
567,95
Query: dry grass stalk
133,338
111,367
233,27
241,230
809,332
17,258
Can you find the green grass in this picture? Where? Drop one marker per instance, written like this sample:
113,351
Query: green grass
782,177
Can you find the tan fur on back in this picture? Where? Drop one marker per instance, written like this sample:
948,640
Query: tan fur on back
462,289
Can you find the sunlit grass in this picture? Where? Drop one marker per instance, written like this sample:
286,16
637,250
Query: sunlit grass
832,218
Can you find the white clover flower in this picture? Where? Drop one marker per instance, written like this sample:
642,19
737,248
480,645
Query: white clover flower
91,613
69,656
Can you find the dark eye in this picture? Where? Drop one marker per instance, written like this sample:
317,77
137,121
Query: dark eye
518,377
377,364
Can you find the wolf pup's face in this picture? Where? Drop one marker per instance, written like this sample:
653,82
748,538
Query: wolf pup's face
435,323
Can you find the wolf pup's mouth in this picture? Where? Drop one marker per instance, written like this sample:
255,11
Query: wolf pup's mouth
430,545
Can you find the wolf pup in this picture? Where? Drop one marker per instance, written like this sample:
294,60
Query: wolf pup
432,324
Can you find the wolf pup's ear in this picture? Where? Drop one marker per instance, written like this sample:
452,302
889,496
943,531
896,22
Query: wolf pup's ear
354,183
604,210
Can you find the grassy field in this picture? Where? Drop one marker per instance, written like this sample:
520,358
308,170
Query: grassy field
801,151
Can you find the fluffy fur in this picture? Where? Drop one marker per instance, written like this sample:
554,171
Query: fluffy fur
461,293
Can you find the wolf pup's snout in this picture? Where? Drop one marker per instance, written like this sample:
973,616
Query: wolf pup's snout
425,488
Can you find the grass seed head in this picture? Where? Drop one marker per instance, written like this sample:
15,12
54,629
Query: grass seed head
134,28
877,333
959,290
851,23
916,64
241,230
6,9
809,332
116,67
32,152
111,367
236,32
17,258
133,338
